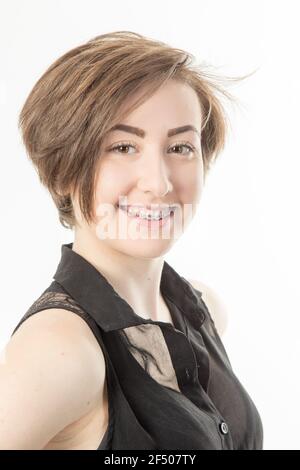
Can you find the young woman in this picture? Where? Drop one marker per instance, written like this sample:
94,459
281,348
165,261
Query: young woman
120,351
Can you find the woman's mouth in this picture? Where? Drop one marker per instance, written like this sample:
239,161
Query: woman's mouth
149,218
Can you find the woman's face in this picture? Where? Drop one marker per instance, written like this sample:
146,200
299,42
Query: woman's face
143,168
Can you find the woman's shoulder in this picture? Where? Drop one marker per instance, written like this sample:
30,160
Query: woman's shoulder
54,357
55,299
62,324
65,334
214,303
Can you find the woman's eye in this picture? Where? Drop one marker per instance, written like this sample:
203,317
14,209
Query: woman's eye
117,147
187,146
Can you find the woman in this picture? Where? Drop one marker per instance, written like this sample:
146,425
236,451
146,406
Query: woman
122,132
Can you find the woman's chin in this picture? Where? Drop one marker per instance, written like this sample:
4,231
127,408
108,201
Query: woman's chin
142,248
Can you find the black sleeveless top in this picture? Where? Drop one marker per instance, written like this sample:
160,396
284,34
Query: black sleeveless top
169,387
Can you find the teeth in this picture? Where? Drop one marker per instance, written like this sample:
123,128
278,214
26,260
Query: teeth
147,214
132,211
156,215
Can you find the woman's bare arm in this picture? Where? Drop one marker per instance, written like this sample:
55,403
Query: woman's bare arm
50,376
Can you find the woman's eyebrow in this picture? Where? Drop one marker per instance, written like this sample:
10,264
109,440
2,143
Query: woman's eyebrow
141,133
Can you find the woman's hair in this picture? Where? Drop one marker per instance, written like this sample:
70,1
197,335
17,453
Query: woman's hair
77,100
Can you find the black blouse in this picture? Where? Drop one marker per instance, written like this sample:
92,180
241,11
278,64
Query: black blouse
169,387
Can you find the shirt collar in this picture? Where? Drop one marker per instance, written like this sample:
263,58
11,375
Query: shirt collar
86,285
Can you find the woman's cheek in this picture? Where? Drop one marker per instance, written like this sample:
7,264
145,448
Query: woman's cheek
111,185
188,186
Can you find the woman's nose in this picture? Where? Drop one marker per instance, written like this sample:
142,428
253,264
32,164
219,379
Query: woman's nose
155,178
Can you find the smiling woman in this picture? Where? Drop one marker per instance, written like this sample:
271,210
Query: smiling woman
120,351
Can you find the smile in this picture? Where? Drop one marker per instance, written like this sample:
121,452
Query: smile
147,214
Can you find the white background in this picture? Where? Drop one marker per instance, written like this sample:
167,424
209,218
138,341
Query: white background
244,239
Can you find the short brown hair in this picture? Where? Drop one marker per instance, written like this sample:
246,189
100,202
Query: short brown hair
76,101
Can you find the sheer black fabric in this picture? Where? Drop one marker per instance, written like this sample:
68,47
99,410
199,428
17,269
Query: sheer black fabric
169,387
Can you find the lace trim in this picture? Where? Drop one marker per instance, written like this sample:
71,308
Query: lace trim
51,299
147,345
55,299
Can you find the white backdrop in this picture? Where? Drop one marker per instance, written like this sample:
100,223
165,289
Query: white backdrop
244,239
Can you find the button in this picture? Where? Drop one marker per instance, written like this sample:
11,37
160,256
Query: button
224,427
